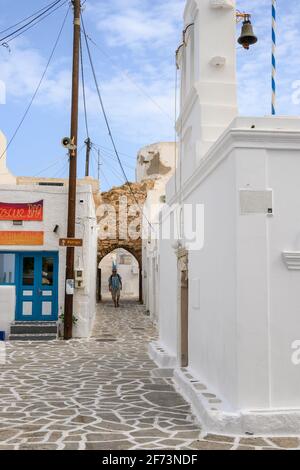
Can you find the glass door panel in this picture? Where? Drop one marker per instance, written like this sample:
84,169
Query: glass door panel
28,287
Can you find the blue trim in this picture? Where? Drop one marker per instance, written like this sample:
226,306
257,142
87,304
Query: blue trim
37,298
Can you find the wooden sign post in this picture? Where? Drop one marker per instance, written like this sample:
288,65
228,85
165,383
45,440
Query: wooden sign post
71,242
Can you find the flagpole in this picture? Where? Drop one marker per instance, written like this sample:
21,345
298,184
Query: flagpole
273,57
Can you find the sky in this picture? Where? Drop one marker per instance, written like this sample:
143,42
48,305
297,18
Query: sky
134,62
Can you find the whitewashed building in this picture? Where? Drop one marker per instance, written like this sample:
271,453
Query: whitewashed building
33,215
155,162
229,304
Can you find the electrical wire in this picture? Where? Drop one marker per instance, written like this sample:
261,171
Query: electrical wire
115,173
31,21
104,176
111,157
93,167
112,170
83,92
5,44
128,77
57,161
120,153
107,123
27,18
175,123
61,171
38,87
97,161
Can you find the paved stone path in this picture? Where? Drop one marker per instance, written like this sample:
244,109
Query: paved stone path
102,393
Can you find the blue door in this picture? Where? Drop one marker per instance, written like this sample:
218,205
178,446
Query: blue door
37,286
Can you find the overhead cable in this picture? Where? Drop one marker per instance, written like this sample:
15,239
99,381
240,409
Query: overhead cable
37,88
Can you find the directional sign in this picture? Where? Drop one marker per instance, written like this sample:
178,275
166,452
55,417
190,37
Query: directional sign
70,242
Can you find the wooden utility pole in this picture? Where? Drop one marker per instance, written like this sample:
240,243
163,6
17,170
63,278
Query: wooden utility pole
88,144
69,292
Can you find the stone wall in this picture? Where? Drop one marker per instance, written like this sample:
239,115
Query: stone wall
113,232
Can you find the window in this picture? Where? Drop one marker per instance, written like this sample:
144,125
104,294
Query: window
7,268
28,271
47,271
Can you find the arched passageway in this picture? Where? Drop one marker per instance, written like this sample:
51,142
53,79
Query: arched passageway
129,267
114,225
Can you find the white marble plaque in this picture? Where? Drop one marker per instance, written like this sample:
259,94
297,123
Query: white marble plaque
256,202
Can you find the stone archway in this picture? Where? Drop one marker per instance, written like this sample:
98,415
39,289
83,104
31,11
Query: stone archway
110,218
138,258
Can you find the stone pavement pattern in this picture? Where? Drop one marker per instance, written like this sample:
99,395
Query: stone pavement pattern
103,393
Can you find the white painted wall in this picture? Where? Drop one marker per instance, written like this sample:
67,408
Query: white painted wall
86,259
208,92
55,213
212,324
7,308
150,254
168,305
242,330
244,302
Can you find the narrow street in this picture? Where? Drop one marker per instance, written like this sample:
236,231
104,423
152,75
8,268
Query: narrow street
103,393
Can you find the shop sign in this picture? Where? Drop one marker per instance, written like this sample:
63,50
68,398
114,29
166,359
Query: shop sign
31,211
21,238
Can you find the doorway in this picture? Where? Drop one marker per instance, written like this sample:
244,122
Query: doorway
183,307
37,286
184,327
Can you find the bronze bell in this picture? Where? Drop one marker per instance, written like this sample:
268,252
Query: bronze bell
247,37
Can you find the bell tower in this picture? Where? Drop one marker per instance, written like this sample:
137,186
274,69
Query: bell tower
207,63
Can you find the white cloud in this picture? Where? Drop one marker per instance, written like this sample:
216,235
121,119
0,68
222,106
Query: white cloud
143,35
22,69
138,24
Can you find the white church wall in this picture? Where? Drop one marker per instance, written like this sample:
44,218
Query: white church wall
243,299
208,85
212,285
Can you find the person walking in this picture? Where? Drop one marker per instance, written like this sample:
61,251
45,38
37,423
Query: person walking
115,287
